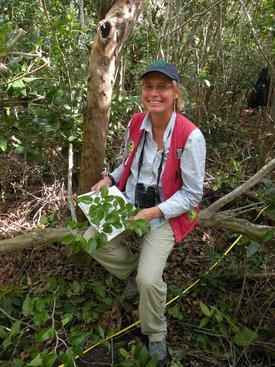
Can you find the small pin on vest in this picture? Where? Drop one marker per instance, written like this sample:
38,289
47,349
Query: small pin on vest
179,153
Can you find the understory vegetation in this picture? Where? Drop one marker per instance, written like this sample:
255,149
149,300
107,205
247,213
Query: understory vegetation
57,303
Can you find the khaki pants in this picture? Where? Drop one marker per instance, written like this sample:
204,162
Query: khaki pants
118,260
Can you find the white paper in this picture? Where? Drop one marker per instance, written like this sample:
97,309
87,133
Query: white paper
113,190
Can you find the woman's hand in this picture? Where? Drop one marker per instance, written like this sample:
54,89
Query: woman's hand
148,214
106,181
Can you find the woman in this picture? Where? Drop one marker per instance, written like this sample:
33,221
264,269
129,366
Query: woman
163,173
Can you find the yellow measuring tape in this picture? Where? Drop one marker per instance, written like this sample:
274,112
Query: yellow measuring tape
173,299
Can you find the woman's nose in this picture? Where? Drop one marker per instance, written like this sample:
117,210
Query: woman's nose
155,91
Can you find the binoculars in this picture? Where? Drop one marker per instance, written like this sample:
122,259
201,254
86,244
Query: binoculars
146,197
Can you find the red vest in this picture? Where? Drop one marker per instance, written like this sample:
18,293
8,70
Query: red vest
171,177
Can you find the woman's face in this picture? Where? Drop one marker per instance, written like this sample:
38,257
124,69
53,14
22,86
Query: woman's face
158,93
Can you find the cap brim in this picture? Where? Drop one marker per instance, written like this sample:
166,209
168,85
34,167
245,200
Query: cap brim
157,71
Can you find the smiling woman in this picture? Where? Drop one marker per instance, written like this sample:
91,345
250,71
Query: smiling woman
158,95
163,175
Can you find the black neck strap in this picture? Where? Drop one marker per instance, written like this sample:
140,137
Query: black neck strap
140,161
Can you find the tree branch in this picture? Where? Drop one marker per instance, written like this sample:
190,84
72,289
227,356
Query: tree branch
26,74
192,18
31,239
21,33
238,225
17,53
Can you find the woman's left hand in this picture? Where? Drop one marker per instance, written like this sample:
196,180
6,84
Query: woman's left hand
148,214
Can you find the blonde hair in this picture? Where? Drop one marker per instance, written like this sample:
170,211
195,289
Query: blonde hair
178,102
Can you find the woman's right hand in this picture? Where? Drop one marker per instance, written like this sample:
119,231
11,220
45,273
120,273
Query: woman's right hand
106,181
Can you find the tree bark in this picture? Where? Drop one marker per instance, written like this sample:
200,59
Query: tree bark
31,239
111,35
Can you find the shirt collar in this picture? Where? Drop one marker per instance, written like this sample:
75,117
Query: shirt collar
147,126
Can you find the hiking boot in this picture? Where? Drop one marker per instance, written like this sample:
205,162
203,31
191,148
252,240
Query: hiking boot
131,290
160,349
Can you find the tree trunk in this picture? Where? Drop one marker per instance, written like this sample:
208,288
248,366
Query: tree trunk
111,35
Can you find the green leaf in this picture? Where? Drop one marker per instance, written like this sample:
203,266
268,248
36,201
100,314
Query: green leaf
106,207
204,322
252,249
40,304
3,144
120,201
49,360
100,214
109,198
176,312
97,200
143,355
123,352
68,239
37,361
19,86
192,214
40,318
117,225
85,199
91,246
128,364
107,228
245,336
3,333
268,236
101,332
96,221
15,329
78,237
92,211
101,239
104,191
205,310
66,319
27,306
153,361
67,357
44,334
218,316
72,138
99,291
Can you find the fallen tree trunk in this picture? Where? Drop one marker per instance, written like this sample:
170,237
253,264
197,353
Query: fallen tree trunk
209,217
33,238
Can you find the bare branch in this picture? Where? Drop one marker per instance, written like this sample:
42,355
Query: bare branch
260,47
21,33
192,18
18,53
26,74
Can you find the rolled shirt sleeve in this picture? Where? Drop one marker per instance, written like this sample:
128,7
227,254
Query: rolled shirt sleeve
192,170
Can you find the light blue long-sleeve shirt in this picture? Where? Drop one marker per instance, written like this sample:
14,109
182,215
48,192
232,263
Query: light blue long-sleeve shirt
192,163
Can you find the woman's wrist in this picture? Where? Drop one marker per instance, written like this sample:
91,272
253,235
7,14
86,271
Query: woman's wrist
107,180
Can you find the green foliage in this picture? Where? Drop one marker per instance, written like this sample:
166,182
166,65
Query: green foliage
42,109
54,313
107,213
137,356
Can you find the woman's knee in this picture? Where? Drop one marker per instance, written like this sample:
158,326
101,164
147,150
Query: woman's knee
147,280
